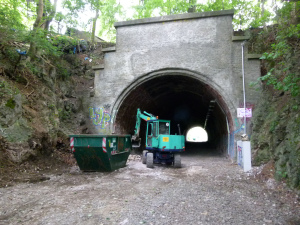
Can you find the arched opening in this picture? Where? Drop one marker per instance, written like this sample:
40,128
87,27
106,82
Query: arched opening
196,134
183,99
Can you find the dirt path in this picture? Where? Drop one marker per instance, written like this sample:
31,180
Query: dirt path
207,190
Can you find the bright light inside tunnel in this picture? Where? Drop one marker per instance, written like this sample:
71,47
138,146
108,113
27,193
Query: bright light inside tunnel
197,134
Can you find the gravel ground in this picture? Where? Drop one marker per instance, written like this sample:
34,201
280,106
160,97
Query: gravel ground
206,190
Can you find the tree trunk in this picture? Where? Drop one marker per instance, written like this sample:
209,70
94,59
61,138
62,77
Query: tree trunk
295,18
58,27
40,10
263,13
94,27
192,7
51,16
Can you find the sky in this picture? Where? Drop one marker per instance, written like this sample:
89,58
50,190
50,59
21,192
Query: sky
127,4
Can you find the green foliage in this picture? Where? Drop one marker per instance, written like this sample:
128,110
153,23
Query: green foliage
282,75
247,13
59,16
281,174
10,103
44,44
6,90
64,43
14,34
74,6
295,107
12,40
149,7
51,106
72,10
10,14
62,72
221,5
34,68
10,53
108,11
64,114
273,126
2,84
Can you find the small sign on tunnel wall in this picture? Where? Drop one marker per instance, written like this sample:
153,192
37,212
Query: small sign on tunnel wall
241,112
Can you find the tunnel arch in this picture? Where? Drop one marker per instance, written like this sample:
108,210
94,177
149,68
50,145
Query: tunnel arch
183,96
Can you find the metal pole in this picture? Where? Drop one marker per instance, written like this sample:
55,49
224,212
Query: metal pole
243,71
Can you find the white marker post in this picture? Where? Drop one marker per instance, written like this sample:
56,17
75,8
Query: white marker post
244,155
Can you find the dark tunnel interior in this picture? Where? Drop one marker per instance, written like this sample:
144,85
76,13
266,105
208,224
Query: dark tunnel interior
183,100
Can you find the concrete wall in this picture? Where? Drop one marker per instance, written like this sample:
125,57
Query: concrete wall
199,43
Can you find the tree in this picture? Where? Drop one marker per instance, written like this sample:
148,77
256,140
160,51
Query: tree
11,20
108,12
49,14
192,6
45,11
247,13
95,6
59,17
10,13
147,8
104,10
12,29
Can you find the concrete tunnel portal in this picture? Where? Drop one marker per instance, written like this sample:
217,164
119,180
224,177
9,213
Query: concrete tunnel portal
186,68
184,100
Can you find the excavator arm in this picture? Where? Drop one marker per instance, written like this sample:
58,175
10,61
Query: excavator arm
135,139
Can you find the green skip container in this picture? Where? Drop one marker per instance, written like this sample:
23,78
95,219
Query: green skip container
103,153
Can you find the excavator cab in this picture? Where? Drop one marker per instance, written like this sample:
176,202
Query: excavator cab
154,130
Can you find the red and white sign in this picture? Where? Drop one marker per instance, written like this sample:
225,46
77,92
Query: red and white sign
241,112
104,145
72,144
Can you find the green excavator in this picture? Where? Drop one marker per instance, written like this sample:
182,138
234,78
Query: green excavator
161,146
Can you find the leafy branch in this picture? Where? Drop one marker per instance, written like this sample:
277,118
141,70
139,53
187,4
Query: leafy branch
282,75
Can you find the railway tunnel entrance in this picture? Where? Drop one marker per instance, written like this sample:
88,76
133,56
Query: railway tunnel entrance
184,100
185,68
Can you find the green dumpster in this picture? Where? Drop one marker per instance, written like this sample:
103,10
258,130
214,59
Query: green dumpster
100,152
